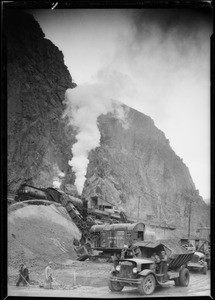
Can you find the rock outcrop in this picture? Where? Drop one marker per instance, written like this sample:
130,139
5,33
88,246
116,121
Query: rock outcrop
137,170
134,169
38,141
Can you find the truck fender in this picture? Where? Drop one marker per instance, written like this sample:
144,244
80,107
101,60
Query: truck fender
146,272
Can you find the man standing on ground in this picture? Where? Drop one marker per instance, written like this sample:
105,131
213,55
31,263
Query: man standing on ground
23,275
48,276
163,264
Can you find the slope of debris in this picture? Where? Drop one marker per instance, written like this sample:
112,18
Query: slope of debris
38,233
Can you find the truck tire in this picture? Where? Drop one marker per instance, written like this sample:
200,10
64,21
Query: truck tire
184,277
147,285
115,286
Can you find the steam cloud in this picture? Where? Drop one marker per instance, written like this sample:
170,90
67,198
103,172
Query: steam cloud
157,61
84,105
58,176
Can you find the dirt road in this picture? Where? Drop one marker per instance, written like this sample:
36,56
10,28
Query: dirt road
199,286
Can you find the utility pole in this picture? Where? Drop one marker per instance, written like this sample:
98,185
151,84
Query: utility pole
189,219
159,210
138,210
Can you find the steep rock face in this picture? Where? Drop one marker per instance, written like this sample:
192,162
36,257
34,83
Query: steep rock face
137,170
38,141
134,168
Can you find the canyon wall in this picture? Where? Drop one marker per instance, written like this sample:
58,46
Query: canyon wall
134,168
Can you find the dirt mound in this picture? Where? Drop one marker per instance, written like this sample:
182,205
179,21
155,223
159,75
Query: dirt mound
38,233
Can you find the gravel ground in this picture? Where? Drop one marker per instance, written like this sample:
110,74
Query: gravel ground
199,286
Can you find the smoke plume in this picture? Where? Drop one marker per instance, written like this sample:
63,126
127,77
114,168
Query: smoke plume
58,176
157,61
84,105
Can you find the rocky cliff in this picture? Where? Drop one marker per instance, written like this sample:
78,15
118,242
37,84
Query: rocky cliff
38,141
137,170
134,168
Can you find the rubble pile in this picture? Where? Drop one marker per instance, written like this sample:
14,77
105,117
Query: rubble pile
38,233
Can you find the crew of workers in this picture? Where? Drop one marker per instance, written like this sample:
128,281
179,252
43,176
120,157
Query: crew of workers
24,276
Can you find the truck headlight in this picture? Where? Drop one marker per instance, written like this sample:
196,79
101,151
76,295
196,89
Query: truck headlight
118,268
134,270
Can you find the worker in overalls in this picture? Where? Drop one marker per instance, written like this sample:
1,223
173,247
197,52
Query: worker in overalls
163,264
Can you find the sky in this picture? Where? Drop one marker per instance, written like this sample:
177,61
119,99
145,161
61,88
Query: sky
156,61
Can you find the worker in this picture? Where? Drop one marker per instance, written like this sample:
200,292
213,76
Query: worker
156,260
48,276
196,245
115,259
130,251
23,275
163,262
137,252
123,252
155,257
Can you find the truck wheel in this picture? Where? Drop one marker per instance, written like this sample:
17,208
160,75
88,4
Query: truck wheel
184,277
147,285
115,286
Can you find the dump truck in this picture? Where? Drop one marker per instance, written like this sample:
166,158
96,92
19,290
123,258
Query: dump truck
142,271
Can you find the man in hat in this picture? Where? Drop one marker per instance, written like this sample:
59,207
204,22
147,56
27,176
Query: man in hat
163,264
156,260
48,276
23,275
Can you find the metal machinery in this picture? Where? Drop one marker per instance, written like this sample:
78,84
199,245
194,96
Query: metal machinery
198,244
198,262
111,238
77,209
27,192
